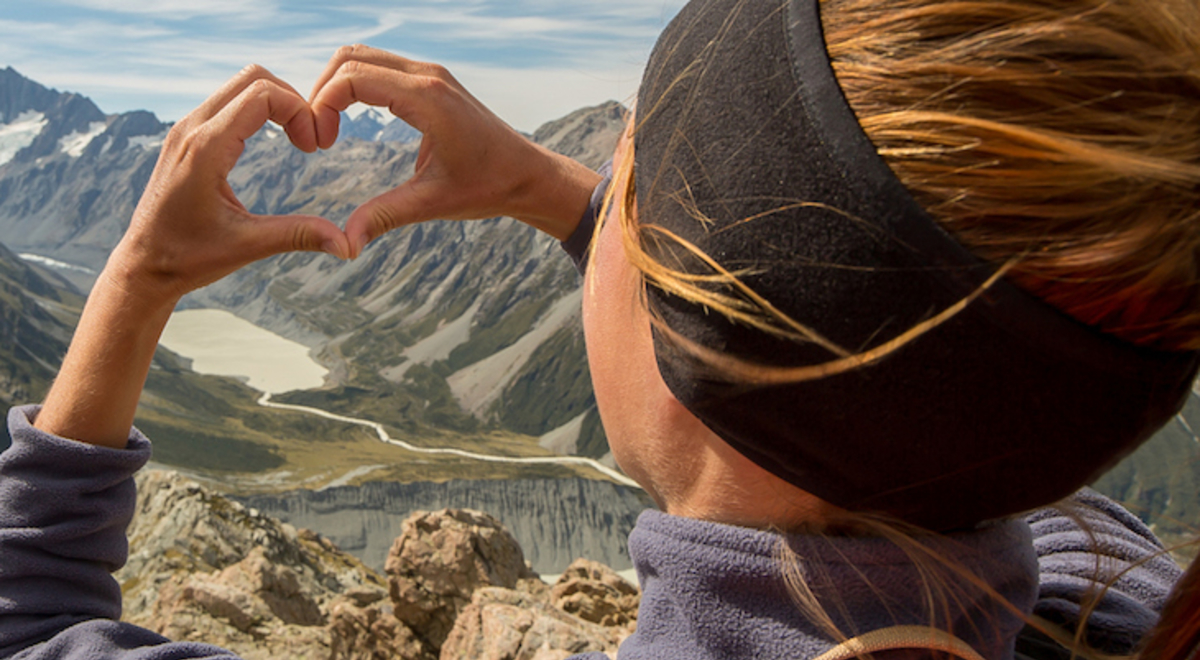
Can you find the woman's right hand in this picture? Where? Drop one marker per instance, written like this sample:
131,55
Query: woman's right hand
470,165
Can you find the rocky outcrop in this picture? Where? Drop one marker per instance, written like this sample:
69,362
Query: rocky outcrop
502,623
554,520
439,561
204,568
594,592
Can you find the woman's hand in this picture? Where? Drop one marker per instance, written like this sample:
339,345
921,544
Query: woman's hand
188,230
470,165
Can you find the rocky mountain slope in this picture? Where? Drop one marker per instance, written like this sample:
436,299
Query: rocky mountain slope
374,125
444,325
37,316
446,332
205,568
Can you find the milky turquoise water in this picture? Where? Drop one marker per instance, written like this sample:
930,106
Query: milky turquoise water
219,343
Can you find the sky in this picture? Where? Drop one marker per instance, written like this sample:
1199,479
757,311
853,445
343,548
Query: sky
531,61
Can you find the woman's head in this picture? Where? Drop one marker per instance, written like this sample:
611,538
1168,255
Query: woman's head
810,313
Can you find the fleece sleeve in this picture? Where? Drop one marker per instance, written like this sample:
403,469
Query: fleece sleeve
577,245
1094,551
64,509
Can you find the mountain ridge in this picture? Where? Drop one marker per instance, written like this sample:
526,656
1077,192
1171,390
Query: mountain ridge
443,330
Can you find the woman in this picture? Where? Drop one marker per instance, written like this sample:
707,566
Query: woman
780,337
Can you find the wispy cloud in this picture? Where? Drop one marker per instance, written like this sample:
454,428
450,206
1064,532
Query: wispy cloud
533,60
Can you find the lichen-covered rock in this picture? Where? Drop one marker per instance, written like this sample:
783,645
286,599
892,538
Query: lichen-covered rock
204,568
438,562
594,592
361,625
504,623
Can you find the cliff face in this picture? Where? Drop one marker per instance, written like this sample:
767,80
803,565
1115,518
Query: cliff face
555,520
204,568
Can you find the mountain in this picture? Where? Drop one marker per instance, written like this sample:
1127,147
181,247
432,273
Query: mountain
38,312
70,175
375,126
456,326
446,333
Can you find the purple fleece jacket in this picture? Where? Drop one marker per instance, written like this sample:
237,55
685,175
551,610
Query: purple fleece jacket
709,590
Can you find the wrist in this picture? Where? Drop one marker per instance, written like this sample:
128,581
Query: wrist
557,195
129,280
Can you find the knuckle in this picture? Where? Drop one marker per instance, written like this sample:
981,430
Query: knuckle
260,87
352,68
433,85
383,219
350,52
255,71
300,237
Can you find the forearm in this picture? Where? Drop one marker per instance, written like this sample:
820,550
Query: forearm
95,395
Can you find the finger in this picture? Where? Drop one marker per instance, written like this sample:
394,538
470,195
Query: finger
268,235
396,208
262,100
232,89
407,96
368,55
345,66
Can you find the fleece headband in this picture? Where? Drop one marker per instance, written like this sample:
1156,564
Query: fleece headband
1009,405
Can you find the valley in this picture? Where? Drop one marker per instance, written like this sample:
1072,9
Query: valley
458,342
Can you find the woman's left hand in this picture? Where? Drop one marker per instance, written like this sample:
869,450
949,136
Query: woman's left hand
188,230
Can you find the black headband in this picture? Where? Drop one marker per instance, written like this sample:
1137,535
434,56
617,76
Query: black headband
1007,406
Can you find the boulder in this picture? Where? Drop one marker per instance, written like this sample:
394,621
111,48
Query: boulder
504,623
594,592
203,568
438,562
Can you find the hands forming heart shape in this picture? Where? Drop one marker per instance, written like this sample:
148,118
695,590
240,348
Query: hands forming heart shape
189,229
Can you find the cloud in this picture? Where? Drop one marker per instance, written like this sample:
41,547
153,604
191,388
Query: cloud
181,9
533,60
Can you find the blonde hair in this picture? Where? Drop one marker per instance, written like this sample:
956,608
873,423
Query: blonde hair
1065,133
1060,138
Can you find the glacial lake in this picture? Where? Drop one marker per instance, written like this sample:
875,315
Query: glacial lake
221,344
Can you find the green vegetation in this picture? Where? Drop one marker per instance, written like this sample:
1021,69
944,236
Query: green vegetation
510,317
592,441
554,387
195,450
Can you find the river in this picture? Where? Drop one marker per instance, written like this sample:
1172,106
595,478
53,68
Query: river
221,344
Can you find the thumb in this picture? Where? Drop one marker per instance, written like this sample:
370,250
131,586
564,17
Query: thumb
377,216
275,234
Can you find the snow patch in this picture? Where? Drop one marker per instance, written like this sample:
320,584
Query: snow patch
147,142
74,144
564,440
479,384
345,479
436,346
54,263
20,133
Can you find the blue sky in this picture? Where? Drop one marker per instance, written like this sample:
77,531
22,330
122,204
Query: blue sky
530,60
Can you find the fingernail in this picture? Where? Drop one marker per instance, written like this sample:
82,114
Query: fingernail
334,248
